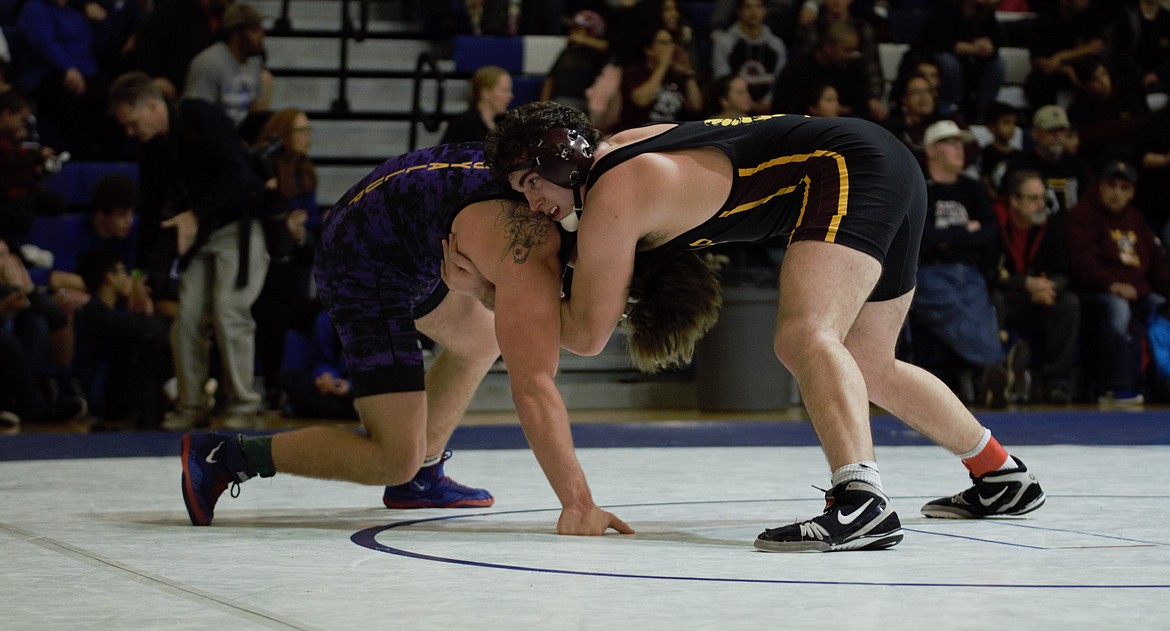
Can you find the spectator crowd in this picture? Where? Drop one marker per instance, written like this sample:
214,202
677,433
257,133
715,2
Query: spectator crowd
1043,276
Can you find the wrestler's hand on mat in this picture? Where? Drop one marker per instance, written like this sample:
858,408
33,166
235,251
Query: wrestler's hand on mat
593,521
463,277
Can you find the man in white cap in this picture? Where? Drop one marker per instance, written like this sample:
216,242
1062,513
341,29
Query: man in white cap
959,252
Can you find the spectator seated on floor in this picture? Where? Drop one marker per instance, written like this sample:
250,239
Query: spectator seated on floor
320,388
109,226
31,327
122,357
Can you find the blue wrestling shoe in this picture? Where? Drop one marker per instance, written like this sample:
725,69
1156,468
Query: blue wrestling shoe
857,516
431,489
210,463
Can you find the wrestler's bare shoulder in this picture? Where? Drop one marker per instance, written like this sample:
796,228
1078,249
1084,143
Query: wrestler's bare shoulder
662,163
631,136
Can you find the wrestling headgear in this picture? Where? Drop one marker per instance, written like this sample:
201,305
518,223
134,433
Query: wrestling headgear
561,156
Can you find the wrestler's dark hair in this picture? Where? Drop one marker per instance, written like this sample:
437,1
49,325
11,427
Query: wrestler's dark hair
508,144
674,300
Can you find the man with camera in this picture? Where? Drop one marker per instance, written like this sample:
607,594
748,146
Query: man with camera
26,163
198,183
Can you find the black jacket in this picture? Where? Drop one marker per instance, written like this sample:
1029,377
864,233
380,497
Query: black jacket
200,165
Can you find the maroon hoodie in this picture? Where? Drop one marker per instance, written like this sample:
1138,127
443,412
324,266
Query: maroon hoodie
1106,248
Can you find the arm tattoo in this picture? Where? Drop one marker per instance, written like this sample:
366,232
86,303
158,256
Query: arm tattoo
525,230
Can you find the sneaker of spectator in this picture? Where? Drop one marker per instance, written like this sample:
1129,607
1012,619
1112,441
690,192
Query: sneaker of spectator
9,422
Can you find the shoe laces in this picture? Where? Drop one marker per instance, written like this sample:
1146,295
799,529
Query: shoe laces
811,529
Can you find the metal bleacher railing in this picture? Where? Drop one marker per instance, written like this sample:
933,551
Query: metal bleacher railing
427,67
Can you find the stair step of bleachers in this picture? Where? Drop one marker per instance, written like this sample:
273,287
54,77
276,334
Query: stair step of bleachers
366,94
368,138
371,54
326,15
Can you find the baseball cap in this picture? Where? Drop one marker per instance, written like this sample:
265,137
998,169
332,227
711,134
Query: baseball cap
1119,168
944,130
1050,117
591,21
240,16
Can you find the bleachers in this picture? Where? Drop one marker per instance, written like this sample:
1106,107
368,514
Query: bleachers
527,59
347,144
76,179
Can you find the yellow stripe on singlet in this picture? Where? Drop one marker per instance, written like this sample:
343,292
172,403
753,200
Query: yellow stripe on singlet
429,166
842,175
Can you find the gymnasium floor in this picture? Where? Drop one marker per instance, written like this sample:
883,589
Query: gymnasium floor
93,535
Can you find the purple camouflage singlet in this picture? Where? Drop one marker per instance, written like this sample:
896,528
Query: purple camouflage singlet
377,266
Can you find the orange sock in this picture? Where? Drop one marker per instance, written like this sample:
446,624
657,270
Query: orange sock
990,458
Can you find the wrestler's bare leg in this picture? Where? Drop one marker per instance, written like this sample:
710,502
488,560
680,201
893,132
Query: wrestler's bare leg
465,330
402,427
823,287
908,392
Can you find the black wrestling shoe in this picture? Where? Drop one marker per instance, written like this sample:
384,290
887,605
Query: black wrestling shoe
857,516
999,493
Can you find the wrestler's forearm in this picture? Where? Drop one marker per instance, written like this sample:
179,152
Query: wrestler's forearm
546,425
578,336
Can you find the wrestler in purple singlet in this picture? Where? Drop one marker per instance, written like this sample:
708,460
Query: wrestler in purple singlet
378,263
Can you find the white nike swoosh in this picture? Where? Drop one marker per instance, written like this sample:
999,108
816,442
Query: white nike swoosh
847,518
988,502
211,456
